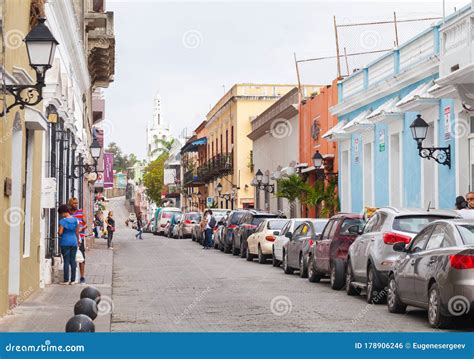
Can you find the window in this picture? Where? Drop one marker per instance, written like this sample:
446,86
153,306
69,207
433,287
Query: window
334,228
319,225
217,146
222,143
467,233
260,227
349,222
419,241
327,229
277,225
413,224
232,135
371,224
297,231
226,141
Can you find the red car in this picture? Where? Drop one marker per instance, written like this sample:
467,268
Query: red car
328,256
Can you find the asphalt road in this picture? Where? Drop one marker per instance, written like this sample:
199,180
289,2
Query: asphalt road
162,284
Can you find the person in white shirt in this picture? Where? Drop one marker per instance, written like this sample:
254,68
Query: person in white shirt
468,213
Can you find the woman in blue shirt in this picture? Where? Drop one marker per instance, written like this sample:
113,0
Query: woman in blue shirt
68,240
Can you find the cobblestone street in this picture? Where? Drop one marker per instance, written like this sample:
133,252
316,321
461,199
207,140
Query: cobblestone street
162,284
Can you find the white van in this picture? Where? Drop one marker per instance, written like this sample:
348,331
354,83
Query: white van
164,217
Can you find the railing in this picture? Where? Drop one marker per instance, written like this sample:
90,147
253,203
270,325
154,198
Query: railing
218,166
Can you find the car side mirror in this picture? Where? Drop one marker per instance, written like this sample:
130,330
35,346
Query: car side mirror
276,233
400,247
288,235
355,229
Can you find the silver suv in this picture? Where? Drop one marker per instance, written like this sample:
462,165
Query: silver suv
371,256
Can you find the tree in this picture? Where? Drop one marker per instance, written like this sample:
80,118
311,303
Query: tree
323,197
153,178
122,161
291,188
162,146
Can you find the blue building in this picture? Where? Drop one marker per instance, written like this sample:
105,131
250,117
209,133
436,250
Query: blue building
379,161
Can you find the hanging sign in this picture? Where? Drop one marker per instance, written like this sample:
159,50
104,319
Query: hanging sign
356,150
447,123
382,140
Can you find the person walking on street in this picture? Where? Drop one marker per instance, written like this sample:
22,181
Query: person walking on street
139,226
78,213
69,239
110,229
468,212
210,224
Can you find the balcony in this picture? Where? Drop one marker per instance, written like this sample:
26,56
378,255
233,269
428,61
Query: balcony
100,47
218,166
191,178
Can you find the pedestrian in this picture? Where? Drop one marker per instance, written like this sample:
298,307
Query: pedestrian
460,203
98,223
78,213
110,229
69,239
210,224
468,212
139,226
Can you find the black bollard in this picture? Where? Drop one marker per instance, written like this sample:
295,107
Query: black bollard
80,324
87,307
92,293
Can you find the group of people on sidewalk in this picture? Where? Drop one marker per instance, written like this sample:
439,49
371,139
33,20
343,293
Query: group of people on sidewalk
72,234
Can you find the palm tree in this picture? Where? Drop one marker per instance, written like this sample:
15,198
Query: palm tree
323,197
291,188
162,146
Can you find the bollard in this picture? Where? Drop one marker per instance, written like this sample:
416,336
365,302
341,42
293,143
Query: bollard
92,293
80,324
87,307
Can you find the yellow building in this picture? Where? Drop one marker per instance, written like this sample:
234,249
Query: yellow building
229,150
20,162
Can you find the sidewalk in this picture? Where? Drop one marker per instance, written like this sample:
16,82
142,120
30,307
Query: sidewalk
48,309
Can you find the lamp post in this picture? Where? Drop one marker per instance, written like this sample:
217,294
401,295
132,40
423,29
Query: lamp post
262,182
81,169
41,47
419,130
319,163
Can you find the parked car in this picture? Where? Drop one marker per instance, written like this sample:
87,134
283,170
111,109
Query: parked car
371,257
282,239
164,217
219,233
329,254
196,233
295,251
435,271
233,220
247,225
260,243
187,224
172,225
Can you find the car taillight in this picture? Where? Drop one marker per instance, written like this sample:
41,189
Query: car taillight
270,238
392,238
231,226
311,242
461,261
249,226
187,221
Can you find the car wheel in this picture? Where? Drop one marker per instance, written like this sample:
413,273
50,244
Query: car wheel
394,303
275,262
248,255
235,250
243,250
435,317
286,268
261,258
216,245
303,267
337,274
350,289
313,276
221,247
374,294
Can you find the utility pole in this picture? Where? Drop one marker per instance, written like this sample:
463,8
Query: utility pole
337,49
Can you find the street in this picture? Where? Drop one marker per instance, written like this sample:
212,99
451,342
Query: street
162,284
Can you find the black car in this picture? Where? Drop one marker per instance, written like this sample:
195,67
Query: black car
229,230
247,225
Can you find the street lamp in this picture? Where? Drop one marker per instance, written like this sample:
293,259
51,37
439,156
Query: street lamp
419,130
318,160
219,188
95,149
259,175
319,163
262,182
80,170
41,47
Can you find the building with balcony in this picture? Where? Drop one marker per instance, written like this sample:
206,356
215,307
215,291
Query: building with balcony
229,150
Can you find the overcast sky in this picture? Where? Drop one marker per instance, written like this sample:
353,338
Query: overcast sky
190,52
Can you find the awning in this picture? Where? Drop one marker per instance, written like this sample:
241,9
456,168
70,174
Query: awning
357,122
418,99
192,146
336,132
387,111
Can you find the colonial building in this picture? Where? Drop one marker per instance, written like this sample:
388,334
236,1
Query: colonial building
157,131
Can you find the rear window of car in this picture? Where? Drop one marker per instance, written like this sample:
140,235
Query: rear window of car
467,233
166,214
235,218
277,225
413,224
259,219
194,217
349,222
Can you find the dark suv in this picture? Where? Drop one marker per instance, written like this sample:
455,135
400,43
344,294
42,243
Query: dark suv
329,254
246,226
229,230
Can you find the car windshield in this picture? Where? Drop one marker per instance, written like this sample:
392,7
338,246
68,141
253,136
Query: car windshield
349,222
467,233
235,218
413,224
194,217
277,225
257,220
319,226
